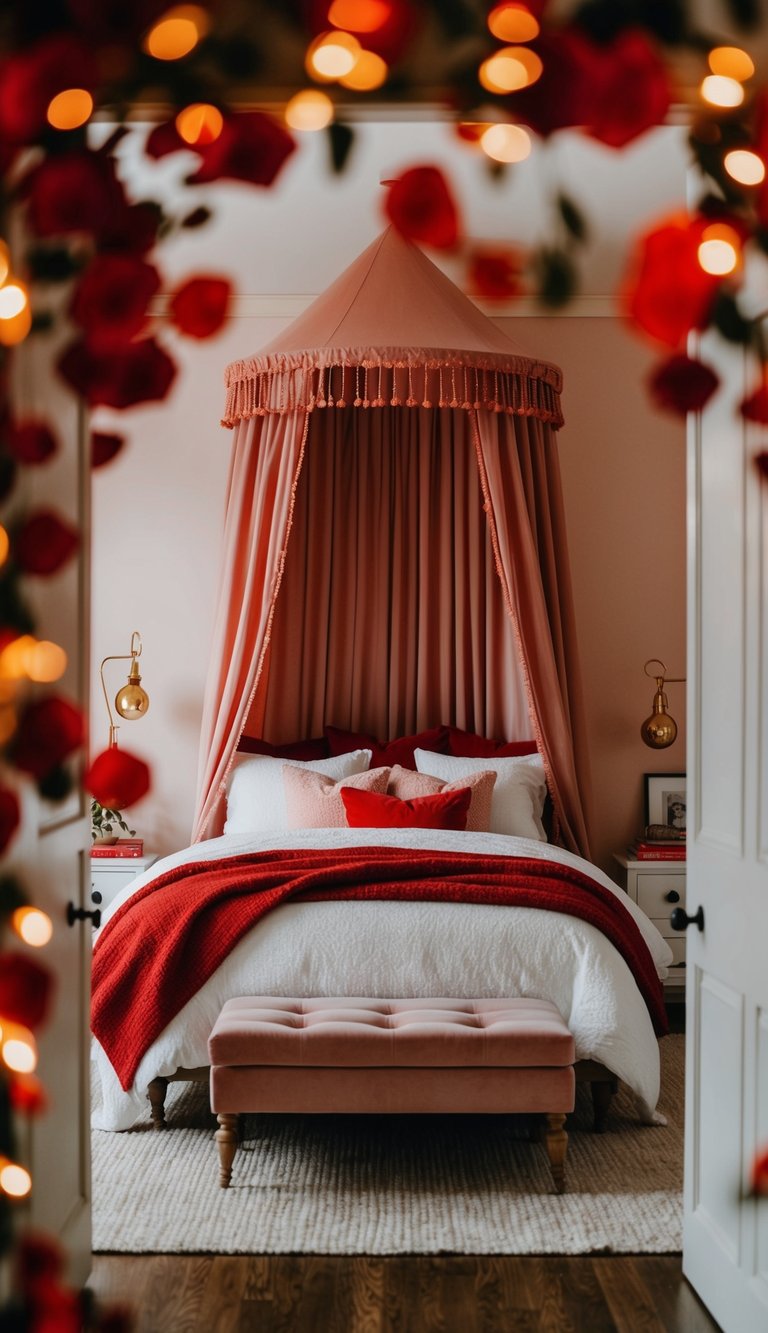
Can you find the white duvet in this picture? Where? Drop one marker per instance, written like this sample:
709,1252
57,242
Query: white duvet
390,949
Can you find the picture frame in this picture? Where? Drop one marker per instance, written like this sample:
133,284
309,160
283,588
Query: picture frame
665,799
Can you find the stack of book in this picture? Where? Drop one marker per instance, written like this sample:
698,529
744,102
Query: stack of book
658,843
124,847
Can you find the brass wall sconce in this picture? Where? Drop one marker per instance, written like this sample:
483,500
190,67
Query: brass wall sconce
659,730
131,701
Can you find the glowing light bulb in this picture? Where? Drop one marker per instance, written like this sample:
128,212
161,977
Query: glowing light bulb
32,926
14,658
719,90
359,15
719,250
4,545
46,662
368,73
19,1049
70,108
15,329
506,143
744,166
15,1180
513,23
200,123
511,68
5,262
309,110
332,55
13,299
177,32
731,62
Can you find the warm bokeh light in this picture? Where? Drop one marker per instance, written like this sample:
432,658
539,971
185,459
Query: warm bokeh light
511,68
309,110
506,143
472,131
719,250
15,330
69,109
744,166
46,662
8,721
513,23
721,91
359,15
332,55
32,926
19,1050
200,123
14,658
177,32
368,73
13,300
4,545
15,1180
5,262
731,62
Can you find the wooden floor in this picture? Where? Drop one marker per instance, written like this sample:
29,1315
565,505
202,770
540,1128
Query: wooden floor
306,1294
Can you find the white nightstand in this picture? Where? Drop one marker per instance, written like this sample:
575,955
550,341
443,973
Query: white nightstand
110,874
658,887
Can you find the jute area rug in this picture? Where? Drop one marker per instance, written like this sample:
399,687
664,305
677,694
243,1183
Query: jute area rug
393,1185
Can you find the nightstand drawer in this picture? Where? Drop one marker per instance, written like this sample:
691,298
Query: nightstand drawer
653,892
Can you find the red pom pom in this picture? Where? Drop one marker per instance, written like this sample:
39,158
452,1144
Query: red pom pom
200,306
48,732
9,816
682,385
110,300
25,989
31,441
667,291
104,448
117,779
420,205
44,543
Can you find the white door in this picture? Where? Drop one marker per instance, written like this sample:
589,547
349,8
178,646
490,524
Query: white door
725,1247
51,856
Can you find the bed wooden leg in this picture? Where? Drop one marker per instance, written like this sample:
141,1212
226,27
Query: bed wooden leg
556,1141
227,1139
156,1091
602,1092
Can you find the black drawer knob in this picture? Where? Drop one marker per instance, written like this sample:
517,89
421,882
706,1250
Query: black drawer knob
680,920
672,897
82,914
96,896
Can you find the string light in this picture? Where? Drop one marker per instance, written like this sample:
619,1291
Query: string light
19,1050
369,72
69,109
13,299
731,62
513,23
200,123
744,166
719,250
45,662
332,55
15,314
359,15
309,110
177,32
33,926
4,545
14,658
15,1180
720,90
510,69
5,262
506,143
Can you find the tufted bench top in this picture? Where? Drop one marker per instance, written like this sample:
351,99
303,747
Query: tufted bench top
360,1032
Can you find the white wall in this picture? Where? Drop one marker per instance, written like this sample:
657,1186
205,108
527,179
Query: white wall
157,510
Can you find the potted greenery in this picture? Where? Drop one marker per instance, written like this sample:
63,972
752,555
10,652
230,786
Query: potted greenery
104,822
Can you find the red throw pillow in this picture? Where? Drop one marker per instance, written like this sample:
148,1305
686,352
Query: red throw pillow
367,809
385,754
468,745
305,751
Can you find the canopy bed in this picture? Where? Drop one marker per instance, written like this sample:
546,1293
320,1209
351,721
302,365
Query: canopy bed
395,566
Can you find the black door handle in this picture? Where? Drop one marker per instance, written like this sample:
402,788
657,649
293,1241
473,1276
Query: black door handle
680,920
82,914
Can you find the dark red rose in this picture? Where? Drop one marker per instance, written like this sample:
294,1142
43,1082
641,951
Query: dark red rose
140,372
562,97
682,385
49,731
110,300
667,291
72,192
252,147
630,90
200,306
761,462
31,441
104,447
495,274
30,78
132,228
9,816
420,205
25,989
44,543
759,1173
755,406
39,1263
117,779
165,139
27,1094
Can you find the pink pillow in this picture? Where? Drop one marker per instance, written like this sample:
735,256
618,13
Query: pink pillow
315,748
406,785
468,745
366,809
398,751
313,800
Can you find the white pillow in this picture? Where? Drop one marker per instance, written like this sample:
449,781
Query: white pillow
255,794
518,795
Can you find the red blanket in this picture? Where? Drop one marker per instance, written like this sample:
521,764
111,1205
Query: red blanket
160,947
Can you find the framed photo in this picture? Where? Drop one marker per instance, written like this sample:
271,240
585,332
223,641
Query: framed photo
665,799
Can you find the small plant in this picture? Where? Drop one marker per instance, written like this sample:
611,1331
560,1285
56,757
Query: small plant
104,822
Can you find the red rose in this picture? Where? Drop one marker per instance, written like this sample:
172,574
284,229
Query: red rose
667,291
39,1263
49,731
495,274
165,139
630,90
761,462
44,543
131,227
759,1173
27,1094
9,816
117,779
30,78
25,989
104,448
31,441
420,205
252,147
110,300
755,406
140,372
72,192
682,385
561,98
200,306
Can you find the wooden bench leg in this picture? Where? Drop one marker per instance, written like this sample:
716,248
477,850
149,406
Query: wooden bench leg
156,1091
226,1137
556,1141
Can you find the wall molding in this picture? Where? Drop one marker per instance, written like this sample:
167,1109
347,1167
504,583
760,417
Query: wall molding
285,305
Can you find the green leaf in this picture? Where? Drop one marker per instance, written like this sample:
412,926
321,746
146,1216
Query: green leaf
51,263
340,139
729,321
573,218
556,277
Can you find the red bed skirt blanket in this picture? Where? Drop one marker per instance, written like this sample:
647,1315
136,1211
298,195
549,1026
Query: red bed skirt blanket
160,947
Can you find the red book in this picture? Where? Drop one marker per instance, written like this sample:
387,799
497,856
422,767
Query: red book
656,851
124,847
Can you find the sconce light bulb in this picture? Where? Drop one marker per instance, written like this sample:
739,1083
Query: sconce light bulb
659,730
132,702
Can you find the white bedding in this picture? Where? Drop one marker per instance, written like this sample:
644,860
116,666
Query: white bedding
388,949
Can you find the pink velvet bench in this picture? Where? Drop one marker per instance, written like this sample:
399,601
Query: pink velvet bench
368,1056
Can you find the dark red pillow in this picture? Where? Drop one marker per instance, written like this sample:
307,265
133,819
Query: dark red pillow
368,809
385,754
468,745
316,748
